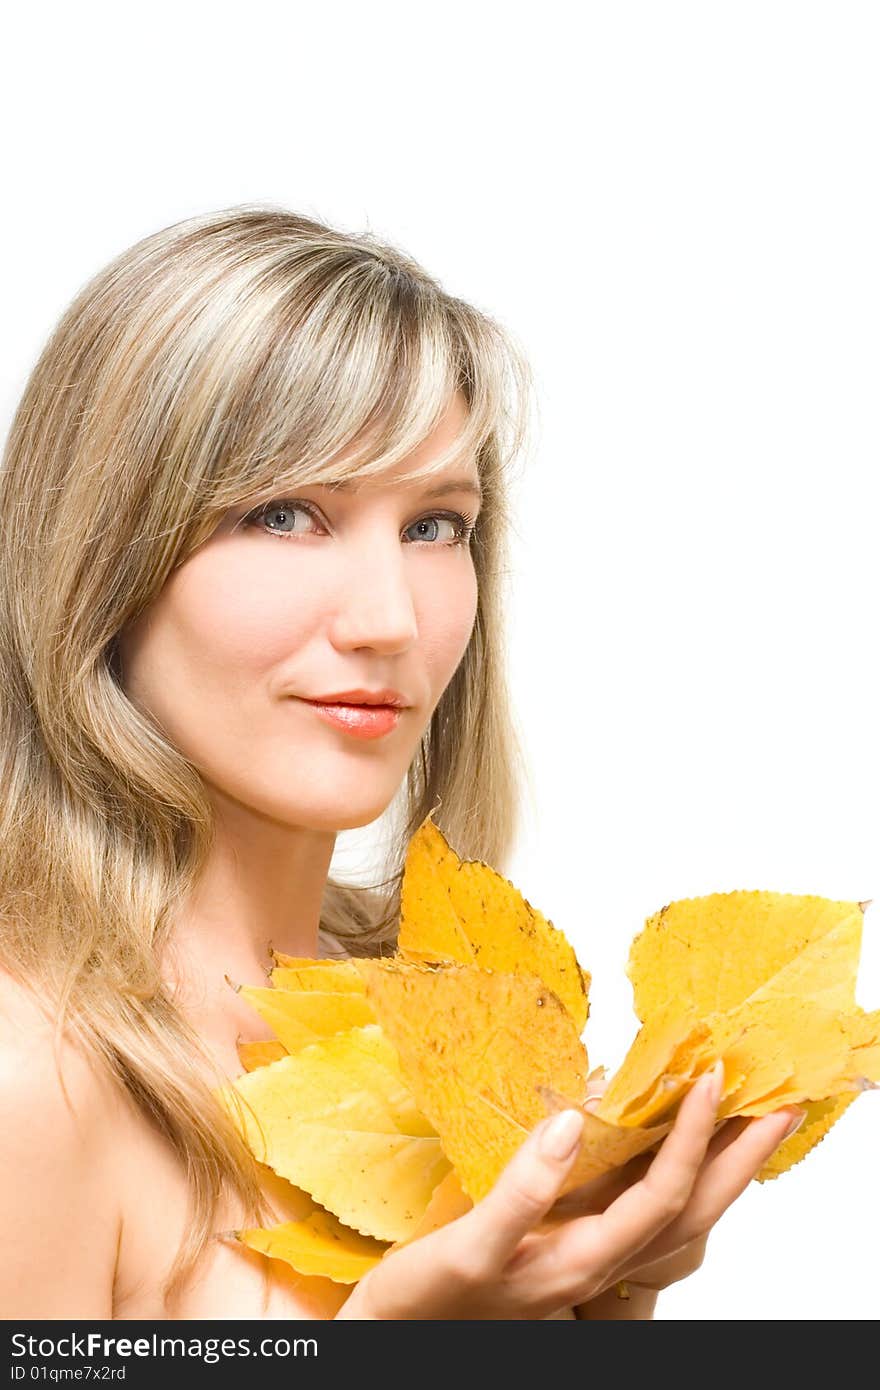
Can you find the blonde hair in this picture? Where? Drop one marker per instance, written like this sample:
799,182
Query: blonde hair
230,353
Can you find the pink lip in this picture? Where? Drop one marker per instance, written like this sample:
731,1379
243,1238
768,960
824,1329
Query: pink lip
361,721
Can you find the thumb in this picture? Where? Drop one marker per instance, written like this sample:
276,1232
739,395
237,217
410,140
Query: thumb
526,1188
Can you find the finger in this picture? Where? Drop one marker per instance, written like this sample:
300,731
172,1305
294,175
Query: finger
701,1211
598,1193
650,1204
728,1130
654,1272
723,1178
732,1167
524,1191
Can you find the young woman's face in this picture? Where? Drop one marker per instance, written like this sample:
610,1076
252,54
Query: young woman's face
326,591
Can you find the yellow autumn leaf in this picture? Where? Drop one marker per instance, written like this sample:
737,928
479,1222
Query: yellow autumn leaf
472,1045
456,911
307,1236
480,1050
259,1054
318,1244
761,1043
448,1201
297,962
337,1119
767,982
330,977
719,951
657,1069
604,1144
301,1016
813,1057
819,1117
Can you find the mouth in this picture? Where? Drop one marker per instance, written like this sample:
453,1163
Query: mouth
358,720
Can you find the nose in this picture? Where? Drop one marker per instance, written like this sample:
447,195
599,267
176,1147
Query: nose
375,606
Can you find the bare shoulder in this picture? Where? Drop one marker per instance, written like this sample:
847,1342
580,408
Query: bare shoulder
38,1071
57,1208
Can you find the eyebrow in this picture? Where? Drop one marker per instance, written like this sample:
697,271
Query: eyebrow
459,484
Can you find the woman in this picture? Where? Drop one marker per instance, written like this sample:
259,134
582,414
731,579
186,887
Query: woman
260,464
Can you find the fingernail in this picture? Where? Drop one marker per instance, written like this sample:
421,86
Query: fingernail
713,1083
561,1135
795,1124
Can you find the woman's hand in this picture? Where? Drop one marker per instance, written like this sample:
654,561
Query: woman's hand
493,1262
735,1154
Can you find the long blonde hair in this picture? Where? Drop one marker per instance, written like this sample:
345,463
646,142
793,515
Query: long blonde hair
221,356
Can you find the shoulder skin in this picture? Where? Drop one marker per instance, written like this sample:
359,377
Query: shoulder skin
58,1210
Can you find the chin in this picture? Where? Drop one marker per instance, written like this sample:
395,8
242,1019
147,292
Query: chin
327,820
341,811
338,813
350,817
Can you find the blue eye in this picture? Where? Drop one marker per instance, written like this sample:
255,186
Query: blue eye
282,511
276,510
462,525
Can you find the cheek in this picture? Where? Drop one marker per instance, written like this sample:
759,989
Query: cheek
446,622
243,629
209,639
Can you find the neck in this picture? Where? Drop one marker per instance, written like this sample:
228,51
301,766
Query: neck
261,889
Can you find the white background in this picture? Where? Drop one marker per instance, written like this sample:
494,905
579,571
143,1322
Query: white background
675,209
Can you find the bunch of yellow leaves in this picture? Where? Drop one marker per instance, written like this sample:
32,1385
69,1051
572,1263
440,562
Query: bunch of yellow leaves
399,1087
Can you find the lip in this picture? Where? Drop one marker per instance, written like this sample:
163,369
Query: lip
360,721
386,696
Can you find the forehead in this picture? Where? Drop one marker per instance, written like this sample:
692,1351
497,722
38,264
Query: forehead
459,478
443,456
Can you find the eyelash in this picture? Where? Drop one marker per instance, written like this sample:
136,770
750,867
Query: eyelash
463,522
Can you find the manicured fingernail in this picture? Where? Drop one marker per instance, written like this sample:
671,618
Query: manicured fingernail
561,1135
713,1083
795,1124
